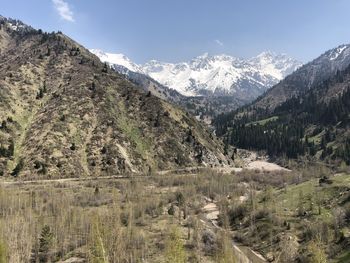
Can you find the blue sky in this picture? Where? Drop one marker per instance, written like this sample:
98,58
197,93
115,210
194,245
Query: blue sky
178,30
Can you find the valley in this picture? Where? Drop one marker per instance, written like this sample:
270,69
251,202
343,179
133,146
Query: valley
214,159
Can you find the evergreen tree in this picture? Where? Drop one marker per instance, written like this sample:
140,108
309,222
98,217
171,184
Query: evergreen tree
42,252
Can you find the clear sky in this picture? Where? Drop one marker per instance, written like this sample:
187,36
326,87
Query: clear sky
178,30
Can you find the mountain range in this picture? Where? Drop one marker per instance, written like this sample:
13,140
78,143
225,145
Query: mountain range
205,75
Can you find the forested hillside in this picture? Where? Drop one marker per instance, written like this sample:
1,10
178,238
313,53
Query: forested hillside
314,123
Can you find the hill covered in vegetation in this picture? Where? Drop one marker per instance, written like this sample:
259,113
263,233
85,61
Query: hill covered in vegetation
311,121
63,113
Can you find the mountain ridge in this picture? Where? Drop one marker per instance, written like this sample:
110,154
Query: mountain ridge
219,75
63,113
303,79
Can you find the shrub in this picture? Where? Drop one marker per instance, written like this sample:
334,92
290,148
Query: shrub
209,241
237,213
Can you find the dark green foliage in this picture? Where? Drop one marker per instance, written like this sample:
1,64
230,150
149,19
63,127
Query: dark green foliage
18,168
73,147
7,151
105,68
93,86
343,152
45,242
237,214
3,124
171,210
286,134
41,167
41,92
274,137
42,252
180,198
74,51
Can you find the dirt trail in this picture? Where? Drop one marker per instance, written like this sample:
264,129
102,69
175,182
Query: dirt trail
242,254
253,165
62,180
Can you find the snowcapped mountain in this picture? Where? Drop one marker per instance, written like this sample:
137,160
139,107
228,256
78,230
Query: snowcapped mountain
117,59
213,75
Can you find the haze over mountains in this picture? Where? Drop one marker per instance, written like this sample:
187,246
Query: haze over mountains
219,75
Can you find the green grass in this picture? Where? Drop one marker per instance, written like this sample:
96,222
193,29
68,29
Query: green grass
143,145
128,126
317,138
264,121
344,258
309,194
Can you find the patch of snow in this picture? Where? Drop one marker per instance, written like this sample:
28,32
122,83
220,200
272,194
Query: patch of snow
16,26
335,54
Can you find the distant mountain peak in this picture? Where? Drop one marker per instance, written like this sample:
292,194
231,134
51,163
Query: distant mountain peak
117,59
306,77
335,53
267,53
214,74
203,56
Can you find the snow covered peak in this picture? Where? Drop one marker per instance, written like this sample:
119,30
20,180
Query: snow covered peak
218,74
275,65
117,59
266,55
222,74
335,53
203,56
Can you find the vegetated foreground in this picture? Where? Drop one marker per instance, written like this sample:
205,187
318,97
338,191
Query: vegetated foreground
286,216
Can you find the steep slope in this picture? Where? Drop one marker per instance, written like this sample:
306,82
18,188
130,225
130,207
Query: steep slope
220,75
306,77
64,113
135,74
